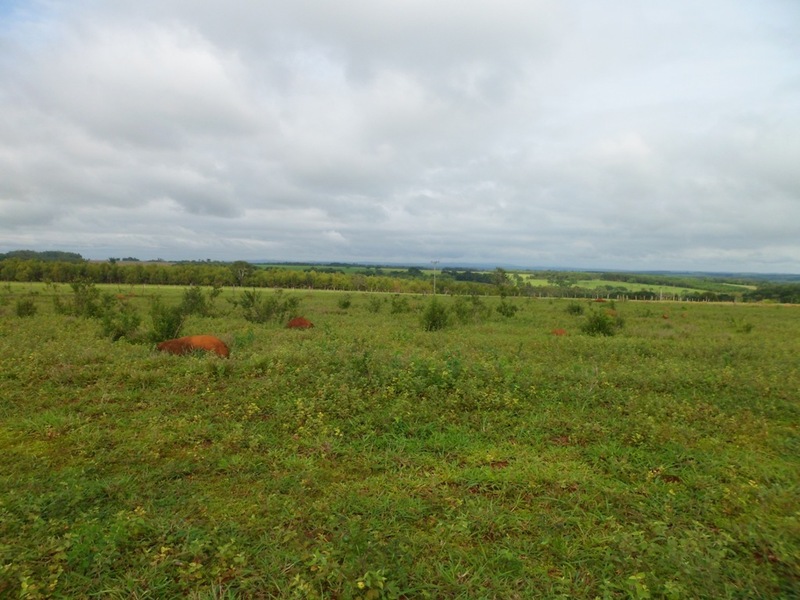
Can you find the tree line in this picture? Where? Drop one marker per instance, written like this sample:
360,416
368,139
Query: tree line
59,267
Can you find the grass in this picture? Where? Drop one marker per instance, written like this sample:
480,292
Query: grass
369,458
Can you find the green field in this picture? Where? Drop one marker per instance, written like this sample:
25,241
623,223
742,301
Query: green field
369,458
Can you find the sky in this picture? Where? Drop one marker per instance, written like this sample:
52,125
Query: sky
536,133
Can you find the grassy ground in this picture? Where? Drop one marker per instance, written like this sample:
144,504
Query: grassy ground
368,458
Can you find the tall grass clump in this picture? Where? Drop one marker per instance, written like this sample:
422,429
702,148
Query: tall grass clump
601,323
84,302
119,319
434,317
259,309
470,309
345,302
194,302
507,309
399,305
25,307
167,321
573,308
374,304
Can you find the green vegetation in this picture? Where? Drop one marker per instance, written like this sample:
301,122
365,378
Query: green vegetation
370,458
27,266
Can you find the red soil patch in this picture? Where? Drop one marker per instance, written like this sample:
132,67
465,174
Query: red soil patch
190,343
559,332
299,323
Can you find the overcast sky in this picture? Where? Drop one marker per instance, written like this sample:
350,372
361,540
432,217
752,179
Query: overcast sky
616,134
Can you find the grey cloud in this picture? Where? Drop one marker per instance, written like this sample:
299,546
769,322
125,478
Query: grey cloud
598,135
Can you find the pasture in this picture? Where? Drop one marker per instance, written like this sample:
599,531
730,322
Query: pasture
369,458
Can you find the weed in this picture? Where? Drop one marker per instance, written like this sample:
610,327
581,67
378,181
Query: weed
601,323
119,319
507,309
573,308
260,309
167,321
399,305
470,309
434,317
374,304
741,325
345,301
25,307
194,302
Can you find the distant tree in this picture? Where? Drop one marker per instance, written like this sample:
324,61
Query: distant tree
500,277
48,255
241,271
562,280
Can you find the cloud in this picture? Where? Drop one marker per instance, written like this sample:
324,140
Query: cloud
537,133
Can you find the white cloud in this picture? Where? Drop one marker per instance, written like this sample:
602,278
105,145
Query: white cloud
540,133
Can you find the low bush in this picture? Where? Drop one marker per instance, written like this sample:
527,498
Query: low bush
434,317
119,319
470,309
374,304
167,321
573,308
194,302
400,305
85,300
258,309
601,323
507,309
25,307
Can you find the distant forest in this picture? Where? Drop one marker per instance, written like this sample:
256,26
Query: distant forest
68,267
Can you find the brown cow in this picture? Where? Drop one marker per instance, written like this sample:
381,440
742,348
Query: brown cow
190,343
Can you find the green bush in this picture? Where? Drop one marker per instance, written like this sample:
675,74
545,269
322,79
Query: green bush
119,319
600,323
167,321
85,301
400,305
573,308
345,301
194,302
26,307
742,325
258,309
507,309
374,304
434,317
470,309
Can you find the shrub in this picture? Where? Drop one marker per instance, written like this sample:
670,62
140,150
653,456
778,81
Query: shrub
374,304
195,302
85,301
26,307
119,319
470,310
742,325
434,317
507,309
573,308
599,323
345,301
399,305
258,309
167,321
